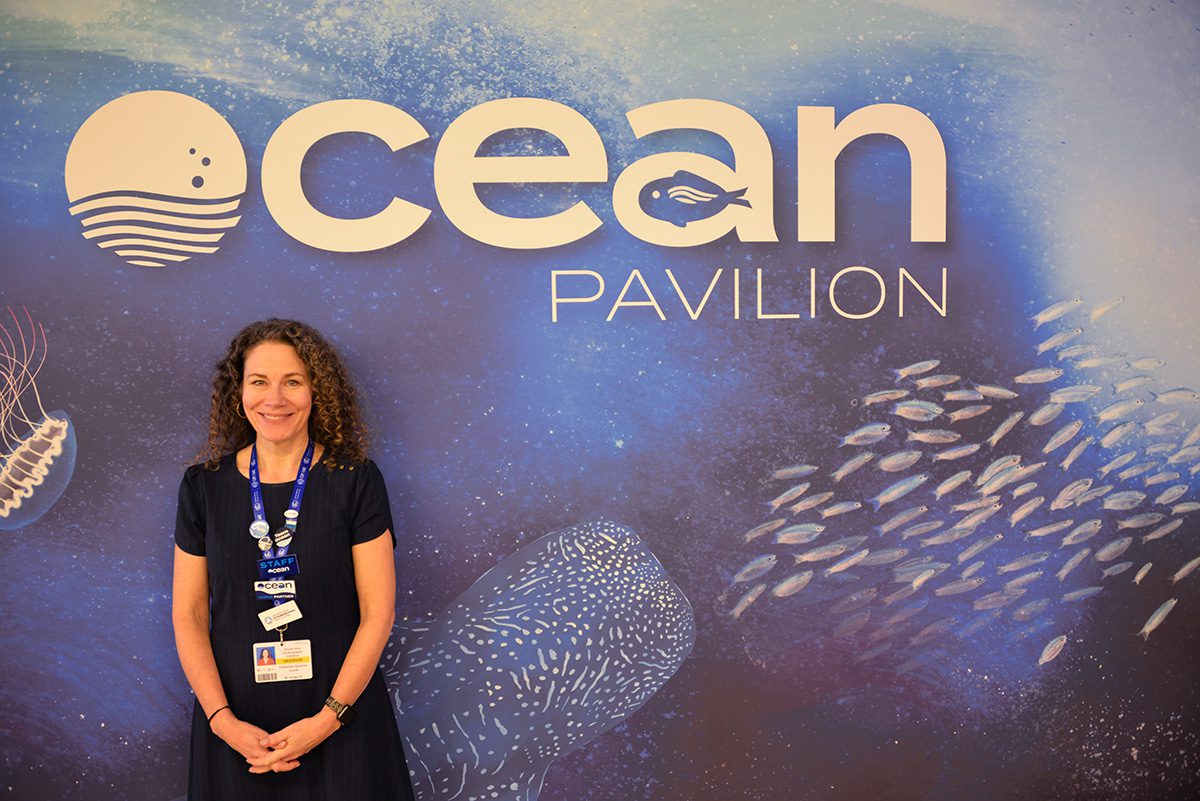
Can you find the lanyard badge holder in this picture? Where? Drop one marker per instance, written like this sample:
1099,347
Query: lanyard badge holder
282,661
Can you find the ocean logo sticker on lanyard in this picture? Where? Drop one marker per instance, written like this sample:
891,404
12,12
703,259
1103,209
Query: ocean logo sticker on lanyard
277,563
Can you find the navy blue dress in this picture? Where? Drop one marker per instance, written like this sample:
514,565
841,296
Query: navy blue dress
343,505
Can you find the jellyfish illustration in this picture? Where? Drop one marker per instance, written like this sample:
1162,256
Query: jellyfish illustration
37,448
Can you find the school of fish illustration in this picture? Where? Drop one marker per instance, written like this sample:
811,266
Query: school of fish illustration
959,505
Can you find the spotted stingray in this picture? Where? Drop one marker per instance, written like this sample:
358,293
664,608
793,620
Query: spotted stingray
546,651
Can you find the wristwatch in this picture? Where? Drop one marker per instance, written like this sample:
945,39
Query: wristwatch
344,712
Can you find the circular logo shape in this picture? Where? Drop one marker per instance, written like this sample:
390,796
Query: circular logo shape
155,177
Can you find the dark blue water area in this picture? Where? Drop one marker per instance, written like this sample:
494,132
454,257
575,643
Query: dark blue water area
494,425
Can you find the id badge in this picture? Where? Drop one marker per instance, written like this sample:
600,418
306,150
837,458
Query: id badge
290,660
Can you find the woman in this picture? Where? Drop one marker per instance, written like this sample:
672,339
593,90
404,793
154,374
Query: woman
284,531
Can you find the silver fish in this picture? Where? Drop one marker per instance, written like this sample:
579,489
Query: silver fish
931,631
1056,310
1082,594
799,534
1052,649
1076,452
765,528
1115,570
1025,510
978,503
916,369
931,381
871,653
848,562
1052,528
1113,549
1185,454
1160,478
795,471
1184,508
1117,463
899,490
993,391
854,600
866,435
934,436
906,612
1124,501
1009,475
1045,413
744,602
1070,492
1137,470
792,584
1006,426
960,586
1156,619
962,395
899,595
1104,308
1074,351
1041,375
996,600
1074,394
900,460
755,568
1115,411
852,624
1022,562
1072,563
840,509
1147,363
811,502
898,520
1131,383
922,577
1177,396
1163,530
917,410
1162,423
1062,436
1185,571
978,547
1003,463
967,412
789,495
1171,494
1093,494
1083,532
1024,489
1061,338
884,557
885,396
977,518
852,464
971,569
979,622
921,528
821,553
952,483
1142,571
950,535
1101,361
1025,472
1030,610
956,452
1141,521
1193,436
1118,433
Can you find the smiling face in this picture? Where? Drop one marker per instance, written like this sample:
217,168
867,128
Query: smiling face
276,393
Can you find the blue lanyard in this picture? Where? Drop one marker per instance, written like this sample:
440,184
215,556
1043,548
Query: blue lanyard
291,515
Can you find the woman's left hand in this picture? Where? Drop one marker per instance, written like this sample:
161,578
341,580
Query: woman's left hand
292,742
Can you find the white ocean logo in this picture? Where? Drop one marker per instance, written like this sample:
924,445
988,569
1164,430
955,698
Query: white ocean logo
155,177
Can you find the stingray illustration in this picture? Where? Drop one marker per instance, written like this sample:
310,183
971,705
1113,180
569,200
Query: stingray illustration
546,651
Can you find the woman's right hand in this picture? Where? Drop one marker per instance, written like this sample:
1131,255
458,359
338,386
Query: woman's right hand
243,737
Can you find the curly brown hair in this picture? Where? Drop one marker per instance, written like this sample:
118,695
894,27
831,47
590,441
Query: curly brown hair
335,421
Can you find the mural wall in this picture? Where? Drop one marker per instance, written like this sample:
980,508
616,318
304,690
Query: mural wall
803,468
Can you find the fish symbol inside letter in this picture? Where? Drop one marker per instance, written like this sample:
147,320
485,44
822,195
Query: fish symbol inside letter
686,197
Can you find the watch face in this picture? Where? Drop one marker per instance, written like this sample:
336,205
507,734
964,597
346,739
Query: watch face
346,715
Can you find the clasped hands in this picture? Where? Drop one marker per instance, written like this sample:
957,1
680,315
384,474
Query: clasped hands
281,751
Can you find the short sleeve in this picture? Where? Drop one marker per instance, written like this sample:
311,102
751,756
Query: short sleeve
190,516
371,513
